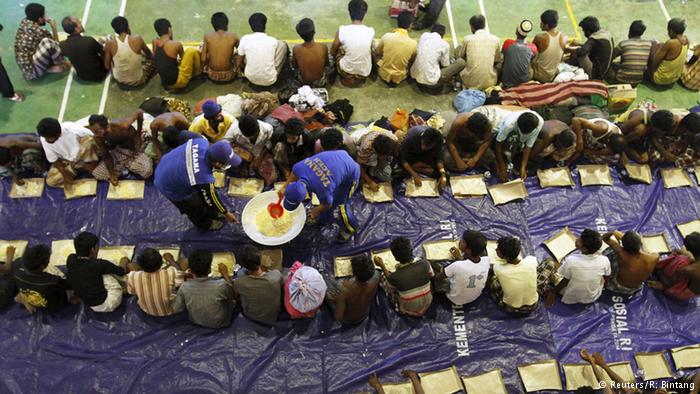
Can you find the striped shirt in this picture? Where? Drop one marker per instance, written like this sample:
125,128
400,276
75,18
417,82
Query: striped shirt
635,56
155,290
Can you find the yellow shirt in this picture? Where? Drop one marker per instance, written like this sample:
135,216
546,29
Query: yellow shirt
670,71
200,125
518,281
396,50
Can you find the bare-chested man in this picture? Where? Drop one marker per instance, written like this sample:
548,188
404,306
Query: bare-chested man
217,51
21,155
558,143
469,142
630,264
174,74
351,299
679,274
310,59
128,56
158,126
119,143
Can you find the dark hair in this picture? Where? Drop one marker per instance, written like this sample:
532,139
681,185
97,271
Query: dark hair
383,145
162,26
150,260
294,126
637,28
34,11
68,25
589,25
692,243
5,156
691,123
617,143
401,249
362,268
528,122
432,137
200,262
591,241
306,29
98,119
677,26
477,22
478,123
257,22
219,21
249,257
475,241
565,139
663,120
84,243
120,25
171,137
404,20
36,257
509,247
49,127
631,242
357,9
439,29
550,18
331,139
248,125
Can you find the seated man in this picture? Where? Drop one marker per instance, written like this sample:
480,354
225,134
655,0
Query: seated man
209,301
21,156
213,123
69,147
310,59
583,273
94,280
155,285
304,291
407,288
351,299
84,52
595,55
514,286
670,144
515,136
174,74
517,57
36,50
679,273
217,50
550,48
422,152
469,142
603,141
39,290
158,146
463,280
120,144
558,143
638,126
376,151
261,57
352,46
334,141
291,146
259,291
252,140
634,55
481,52
128,56
432,67
668,59
630,265
396,51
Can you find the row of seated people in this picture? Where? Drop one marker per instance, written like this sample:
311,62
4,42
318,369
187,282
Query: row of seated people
165,286
503,139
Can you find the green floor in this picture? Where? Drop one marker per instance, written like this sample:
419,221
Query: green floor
190,21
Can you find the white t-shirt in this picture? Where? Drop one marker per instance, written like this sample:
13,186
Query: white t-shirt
259,51
510,125
518,281
356,41
432,53
67,146
264,141
467,280
585,273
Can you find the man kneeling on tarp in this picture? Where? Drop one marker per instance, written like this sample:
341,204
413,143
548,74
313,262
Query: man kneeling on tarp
679,273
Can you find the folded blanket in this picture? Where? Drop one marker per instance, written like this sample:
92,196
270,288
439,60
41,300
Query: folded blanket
536,94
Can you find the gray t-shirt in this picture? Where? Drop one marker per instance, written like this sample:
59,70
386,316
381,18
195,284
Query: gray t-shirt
208,301
516,62
260,296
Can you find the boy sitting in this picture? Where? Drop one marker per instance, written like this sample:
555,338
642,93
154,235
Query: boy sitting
463,280
514,285
153,285
39,290
351,299
630,265
259,290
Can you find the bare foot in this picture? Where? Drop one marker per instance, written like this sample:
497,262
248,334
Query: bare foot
18,97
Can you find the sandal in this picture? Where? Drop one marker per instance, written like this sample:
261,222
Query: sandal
18,98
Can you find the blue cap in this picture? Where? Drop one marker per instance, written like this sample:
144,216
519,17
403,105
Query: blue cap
294,195
210,109
221,152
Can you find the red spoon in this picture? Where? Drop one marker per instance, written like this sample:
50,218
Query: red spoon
275,209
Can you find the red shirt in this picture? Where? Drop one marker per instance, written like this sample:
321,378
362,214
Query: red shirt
511,41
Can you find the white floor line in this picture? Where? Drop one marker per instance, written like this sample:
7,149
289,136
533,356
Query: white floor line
452,25
483,12
108,80
664,10
69,82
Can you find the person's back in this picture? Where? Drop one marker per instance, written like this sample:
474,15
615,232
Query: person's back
519,282
84,52
481,50
517,55
217,51
412,280
431,53
672,54
634,54
311,59
601,54
550,47
154,286
259,291
358,297
584,273
37,288
127,59
397,51
165,52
